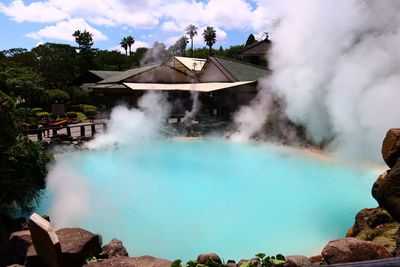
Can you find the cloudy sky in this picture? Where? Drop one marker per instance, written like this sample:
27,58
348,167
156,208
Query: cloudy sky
27,23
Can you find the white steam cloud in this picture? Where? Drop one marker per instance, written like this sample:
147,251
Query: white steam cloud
71,198
196,105
70,191
134,125
337,66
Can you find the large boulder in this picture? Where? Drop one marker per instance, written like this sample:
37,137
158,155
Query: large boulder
351,249
386,190
207,258
143,261
376,225
297,260
391,147
115,249
76,246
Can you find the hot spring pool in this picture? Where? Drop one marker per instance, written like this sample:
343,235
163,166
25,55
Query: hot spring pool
177,199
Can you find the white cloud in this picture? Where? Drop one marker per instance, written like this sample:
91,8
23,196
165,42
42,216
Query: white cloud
63,31
170,26
34,12
168,16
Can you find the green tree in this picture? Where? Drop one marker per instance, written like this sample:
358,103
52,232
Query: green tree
58,96
191,30
83,39
210,37
179,47
57,64
22,164
250,40
85,58
124,45
130,41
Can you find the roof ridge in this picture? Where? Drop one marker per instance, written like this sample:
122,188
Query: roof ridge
242,62
254,44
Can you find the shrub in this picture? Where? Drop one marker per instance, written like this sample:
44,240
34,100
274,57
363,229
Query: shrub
72,115
90,113
35,110
81,116
41,114
58,96
85,108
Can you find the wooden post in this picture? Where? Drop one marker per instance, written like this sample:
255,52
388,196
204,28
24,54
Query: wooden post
93,128
82,130
54,131
39,135
68,131
104,127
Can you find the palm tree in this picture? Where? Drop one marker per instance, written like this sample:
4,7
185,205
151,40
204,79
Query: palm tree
191,30
210,36
130,41
124,45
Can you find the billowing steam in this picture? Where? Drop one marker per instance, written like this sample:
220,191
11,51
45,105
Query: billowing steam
196,105
134,125
336,64
70,190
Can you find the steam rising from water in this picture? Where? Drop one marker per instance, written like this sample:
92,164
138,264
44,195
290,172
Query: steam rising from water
134,125
71,191
337,66
196,105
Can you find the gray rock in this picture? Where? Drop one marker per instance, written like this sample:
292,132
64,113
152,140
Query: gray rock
115,249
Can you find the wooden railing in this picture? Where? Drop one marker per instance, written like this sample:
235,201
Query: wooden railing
69,130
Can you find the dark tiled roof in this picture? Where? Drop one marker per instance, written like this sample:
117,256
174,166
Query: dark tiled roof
258,48
236,70
104,74
126,74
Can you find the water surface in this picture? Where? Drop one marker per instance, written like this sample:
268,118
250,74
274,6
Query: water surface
177,199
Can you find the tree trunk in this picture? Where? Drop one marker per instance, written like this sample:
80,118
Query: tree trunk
210,50
191,39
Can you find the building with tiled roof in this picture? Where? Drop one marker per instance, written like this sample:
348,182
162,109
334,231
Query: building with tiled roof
256,53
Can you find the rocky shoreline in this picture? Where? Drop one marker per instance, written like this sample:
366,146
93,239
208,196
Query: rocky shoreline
374,235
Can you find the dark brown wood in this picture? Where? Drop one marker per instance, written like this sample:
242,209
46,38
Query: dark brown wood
82,130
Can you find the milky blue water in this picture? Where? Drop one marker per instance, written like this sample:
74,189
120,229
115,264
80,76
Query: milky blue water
177,199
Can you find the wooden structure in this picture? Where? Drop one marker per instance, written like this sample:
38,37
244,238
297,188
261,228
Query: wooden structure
45,241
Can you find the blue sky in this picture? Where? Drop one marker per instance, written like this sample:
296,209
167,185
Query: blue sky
27,23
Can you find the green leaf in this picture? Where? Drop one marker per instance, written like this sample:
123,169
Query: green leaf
176,263
280,257
261,255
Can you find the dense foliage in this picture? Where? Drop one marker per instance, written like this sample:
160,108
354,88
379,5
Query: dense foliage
22,163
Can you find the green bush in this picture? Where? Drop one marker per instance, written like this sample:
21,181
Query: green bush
35,110
23,112
72,115
81,116
85,108
41,114
58,96
90,113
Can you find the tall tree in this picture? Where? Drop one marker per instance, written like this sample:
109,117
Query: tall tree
210,37
130,41
250,40
191,30
84,39
124,45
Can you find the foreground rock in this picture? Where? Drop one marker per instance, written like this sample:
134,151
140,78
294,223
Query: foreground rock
297,260
386,190
352,249
144,261
391,147
76,245
207,258
115,249
376,225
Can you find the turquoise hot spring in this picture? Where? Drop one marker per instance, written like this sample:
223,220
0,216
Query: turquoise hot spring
179,198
